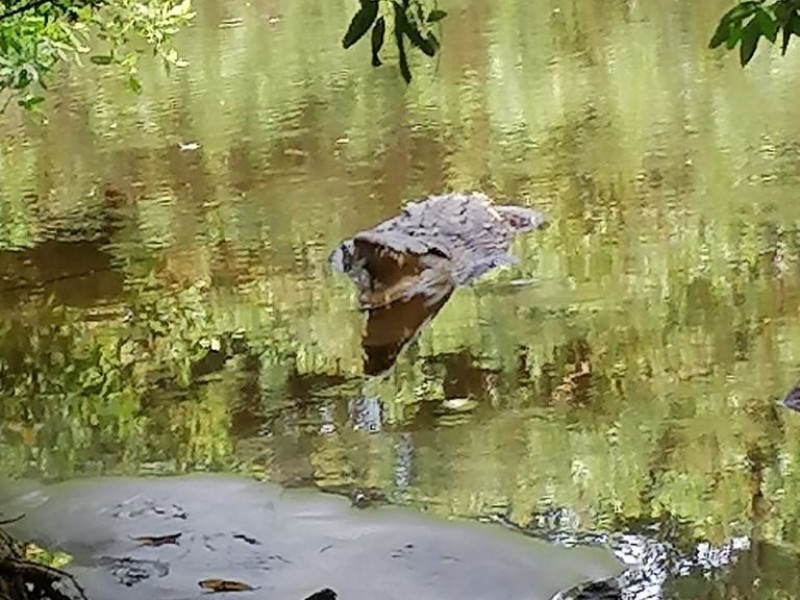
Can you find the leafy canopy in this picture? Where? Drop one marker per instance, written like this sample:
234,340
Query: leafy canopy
411,20
750,21
36,35
745,24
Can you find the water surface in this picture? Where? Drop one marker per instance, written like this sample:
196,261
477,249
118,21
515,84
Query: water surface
167,309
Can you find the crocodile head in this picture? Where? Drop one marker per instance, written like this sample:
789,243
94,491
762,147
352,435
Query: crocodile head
521,219
383,275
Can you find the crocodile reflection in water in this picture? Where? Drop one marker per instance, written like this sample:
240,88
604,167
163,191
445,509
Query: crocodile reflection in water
406,268
792,398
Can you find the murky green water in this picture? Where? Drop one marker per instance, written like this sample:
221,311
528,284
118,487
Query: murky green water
167,309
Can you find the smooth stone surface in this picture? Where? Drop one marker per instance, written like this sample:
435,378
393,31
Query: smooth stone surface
288,543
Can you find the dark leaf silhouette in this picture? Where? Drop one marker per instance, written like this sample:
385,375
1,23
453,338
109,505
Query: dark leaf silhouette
748,22
436,15
767,24
721,33
787,31
413,33
729,29
361,22
378,33
399,14
750,36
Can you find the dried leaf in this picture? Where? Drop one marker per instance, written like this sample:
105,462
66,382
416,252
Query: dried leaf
225,585
158,540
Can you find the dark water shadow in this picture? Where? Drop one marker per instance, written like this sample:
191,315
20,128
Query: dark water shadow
75,273
72,261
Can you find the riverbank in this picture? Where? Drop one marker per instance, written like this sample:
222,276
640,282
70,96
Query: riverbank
175,538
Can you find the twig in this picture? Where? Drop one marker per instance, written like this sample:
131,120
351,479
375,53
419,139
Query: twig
12,520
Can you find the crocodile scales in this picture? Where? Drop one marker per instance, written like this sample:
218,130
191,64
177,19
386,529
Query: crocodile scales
431,247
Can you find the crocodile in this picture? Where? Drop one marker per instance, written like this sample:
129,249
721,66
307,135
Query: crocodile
433,246
406,268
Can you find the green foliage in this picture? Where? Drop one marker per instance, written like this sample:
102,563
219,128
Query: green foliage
750,21
83,387
411,20
36,36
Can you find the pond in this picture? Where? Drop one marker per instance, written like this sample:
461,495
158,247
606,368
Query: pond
167,307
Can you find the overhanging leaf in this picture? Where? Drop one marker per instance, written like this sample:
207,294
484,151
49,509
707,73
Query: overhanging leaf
399,16
750,36
721,33
436,15
361,22
790,26
782,11
734,35
414,35
729,28
378,33
744,9
767,24
787,34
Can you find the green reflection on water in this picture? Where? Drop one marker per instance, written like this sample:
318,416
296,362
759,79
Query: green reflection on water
169,309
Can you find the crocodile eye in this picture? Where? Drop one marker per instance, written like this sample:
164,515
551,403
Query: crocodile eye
515,221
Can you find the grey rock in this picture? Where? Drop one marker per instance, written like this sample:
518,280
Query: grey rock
308,541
